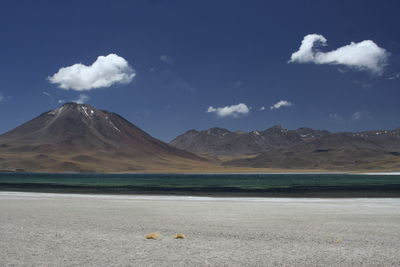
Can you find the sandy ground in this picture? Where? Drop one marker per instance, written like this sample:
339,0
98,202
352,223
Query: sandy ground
76,230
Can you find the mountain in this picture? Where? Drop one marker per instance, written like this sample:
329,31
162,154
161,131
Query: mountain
79,137
303,148
222,142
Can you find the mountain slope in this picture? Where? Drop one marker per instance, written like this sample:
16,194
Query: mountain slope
79,137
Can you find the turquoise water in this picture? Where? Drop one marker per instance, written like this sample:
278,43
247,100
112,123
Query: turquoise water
199,181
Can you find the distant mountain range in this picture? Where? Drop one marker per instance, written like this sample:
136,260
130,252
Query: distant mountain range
81,138
304,148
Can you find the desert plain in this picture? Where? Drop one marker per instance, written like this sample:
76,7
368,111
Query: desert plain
42,229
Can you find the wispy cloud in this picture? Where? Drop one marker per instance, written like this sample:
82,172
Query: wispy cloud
167,59
362,84
395,76
237,84
180,84
232,111
358,115
82,99
104,72
336,117
282,103
365,55
262,108
46,93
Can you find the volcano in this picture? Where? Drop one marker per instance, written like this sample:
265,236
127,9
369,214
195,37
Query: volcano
81,138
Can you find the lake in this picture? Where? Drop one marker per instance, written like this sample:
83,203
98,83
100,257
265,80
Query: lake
264,185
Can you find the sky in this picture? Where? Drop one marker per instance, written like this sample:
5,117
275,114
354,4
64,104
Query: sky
171,66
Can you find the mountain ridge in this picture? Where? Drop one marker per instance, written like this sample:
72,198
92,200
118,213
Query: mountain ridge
278,147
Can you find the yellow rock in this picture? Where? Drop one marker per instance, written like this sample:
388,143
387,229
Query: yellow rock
152,236
179,236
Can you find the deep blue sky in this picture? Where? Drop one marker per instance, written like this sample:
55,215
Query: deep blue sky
223,53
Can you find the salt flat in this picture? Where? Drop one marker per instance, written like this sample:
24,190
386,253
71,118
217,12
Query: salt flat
39,229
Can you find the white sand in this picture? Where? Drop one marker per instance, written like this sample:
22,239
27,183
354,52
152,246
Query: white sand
381,173
78,230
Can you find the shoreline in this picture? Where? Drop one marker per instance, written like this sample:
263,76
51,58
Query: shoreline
278,171
42,195
382,191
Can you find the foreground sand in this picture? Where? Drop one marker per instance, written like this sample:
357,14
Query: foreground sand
76,230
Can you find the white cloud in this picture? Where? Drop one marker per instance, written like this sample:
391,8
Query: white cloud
82,99
46,93
334,116
282,103
365,55
1,97
237,84
234,110
61,101
167,59
263,108
181,85
395,76
358,115
362,84
104,72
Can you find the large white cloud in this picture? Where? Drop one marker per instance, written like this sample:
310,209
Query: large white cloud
365,55
282,103
234,110
104,72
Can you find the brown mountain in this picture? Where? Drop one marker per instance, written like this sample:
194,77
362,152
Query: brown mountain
303,148
79,137
222,142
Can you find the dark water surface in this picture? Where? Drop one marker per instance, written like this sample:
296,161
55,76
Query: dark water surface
295,185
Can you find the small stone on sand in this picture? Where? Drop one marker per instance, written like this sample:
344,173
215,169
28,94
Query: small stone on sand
152,236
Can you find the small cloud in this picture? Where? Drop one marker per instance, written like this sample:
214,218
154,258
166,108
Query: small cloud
365,55
336,117
1,97
167,59
237,84
82,99
358,115
233,111
362,84
394,77
61,101
263,108
282,103
104,72
46,93
181,85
